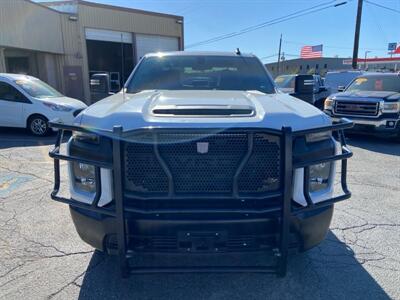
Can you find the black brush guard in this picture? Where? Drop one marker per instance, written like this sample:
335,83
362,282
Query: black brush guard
286,209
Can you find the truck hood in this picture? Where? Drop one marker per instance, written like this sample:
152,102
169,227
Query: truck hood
368,95
141,110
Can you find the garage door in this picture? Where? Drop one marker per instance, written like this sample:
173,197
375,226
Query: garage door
154,43
108,35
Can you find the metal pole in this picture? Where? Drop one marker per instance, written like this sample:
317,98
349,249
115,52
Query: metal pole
357,34
122,67
279,55
365,59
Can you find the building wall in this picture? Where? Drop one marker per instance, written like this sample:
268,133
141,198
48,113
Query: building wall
74,52
2,61
126,20
308,66
26,25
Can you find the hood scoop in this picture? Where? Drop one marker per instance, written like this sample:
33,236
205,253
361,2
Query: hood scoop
204,110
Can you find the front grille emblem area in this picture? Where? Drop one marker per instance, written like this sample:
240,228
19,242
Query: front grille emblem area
202,147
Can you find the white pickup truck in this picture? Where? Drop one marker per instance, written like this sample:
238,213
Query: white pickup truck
200,153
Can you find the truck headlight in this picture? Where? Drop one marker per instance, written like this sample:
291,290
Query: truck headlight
84,177
318,136
319,176
328,104
85,137
391,107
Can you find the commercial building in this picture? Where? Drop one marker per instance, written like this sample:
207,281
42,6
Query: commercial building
64,42
308,66
378,64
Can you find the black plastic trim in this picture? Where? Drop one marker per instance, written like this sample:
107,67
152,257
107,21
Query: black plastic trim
285,206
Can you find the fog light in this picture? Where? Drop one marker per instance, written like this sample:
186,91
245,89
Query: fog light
319,176
390,124
84,177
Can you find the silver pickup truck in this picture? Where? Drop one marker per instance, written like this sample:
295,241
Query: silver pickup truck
199,154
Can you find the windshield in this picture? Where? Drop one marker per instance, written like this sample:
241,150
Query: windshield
285,81
334,80
200,73
375,83
37,88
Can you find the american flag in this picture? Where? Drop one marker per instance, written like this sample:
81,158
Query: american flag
311,51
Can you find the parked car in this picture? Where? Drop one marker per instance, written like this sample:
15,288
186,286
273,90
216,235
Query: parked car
286,83
338,80
28,102
371,101
201,154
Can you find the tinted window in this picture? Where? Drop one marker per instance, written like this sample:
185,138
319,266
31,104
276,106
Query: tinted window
375,83
10,93
333,80
285,81
200,73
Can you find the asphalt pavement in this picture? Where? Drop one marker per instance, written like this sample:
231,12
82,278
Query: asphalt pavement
42,257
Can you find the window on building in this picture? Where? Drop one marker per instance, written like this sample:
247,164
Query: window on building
325,66
317,66
287,68
308,67
272,68
301,67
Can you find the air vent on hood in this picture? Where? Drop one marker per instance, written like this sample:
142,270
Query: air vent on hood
204,111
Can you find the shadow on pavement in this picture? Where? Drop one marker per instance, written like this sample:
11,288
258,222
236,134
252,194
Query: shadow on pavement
329,271
389,146
20,137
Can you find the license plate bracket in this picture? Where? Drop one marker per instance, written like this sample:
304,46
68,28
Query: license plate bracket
202,241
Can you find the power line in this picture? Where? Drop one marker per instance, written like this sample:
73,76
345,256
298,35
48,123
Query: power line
288,17
254,27
382,6
379,27
334,47
269,56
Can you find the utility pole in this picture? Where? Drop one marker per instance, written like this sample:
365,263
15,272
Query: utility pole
357,34
279,55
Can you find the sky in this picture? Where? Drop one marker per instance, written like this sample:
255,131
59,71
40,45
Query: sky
333,27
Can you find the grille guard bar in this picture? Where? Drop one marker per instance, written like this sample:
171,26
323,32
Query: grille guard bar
286,207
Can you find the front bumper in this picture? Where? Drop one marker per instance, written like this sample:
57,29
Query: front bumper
234,234
277,223
386,124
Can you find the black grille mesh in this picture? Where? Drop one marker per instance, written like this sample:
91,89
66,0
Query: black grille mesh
197,173
143,172
261,173
205,173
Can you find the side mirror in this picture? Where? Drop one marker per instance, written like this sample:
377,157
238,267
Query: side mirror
323,89
341,88
304,84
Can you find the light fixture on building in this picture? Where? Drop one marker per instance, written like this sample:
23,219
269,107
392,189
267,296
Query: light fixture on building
73,18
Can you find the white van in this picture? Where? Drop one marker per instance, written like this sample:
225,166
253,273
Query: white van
28,102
